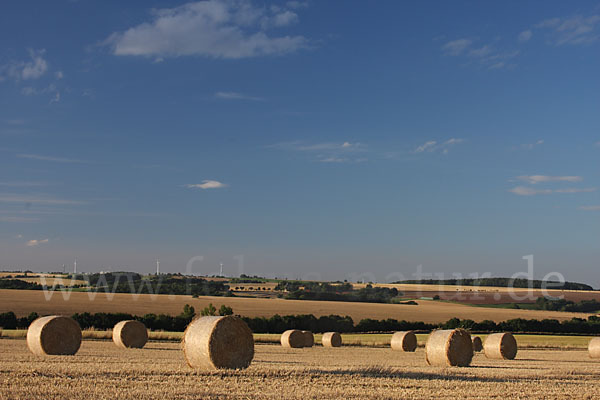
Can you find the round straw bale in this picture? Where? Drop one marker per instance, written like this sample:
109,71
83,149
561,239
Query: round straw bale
594,347
309,339
331,339
130,334
404,341
500,346
477,344
218,343
54,335
293,339
451,347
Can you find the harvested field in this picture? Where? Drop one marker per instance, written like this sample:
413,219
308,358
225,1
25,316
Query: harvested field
101,371
485,294
22,302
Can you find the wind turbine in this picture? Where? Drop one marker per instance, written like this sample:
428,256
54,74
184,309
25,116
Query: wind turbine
157,267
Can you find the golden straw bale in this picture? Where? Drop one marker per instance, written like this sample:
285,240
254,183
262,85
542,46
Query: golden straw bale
218,343
331,339
452,347
594,347
54,335
404,341
309,339
130,334
501,346
292,338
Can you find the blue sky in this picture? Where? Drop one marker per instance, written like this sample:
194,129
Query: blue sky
314,139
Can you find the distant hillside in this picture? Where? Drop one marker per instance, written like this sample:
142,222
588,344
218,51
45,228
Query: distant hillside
502,282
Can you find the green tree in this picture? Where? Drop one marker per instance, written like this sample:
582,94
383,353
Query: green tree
189,312
209,310
225,310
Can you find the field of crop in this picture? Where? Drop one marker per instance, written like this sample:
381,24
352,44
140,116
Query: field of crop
102,371
22,302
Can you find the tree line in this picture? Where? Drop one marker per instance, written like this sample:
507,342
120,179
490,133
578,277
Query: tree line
278,324
300,290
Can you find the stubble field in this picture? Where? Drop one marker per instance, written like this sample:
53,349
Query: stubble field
102,371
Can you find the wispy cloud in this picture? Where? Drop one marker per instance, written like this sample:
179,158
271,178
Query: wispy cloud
237,96
49,158
525,36
212,28
207,184
325,146
34,68
37,242
534,179
432,146
32,199
485,55
456,47
427,146
529,191
328,152
590,208
574,30
531,146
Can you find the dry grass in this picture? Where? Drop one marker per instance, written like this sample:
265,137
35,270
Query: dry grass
102,371
22,302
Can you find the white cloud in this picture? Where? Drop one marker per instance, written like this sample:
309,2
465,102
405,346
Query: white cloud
574,30
34,68
525,36
59,75
319,147
597,144
207,184
433,146
56,98
285,18
19,236
35,242
213,28
481,52
485,55
456,47
236,96
27,199
427,146
48,158
590,208
328,152
528,191
530,146
534,179
333,160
